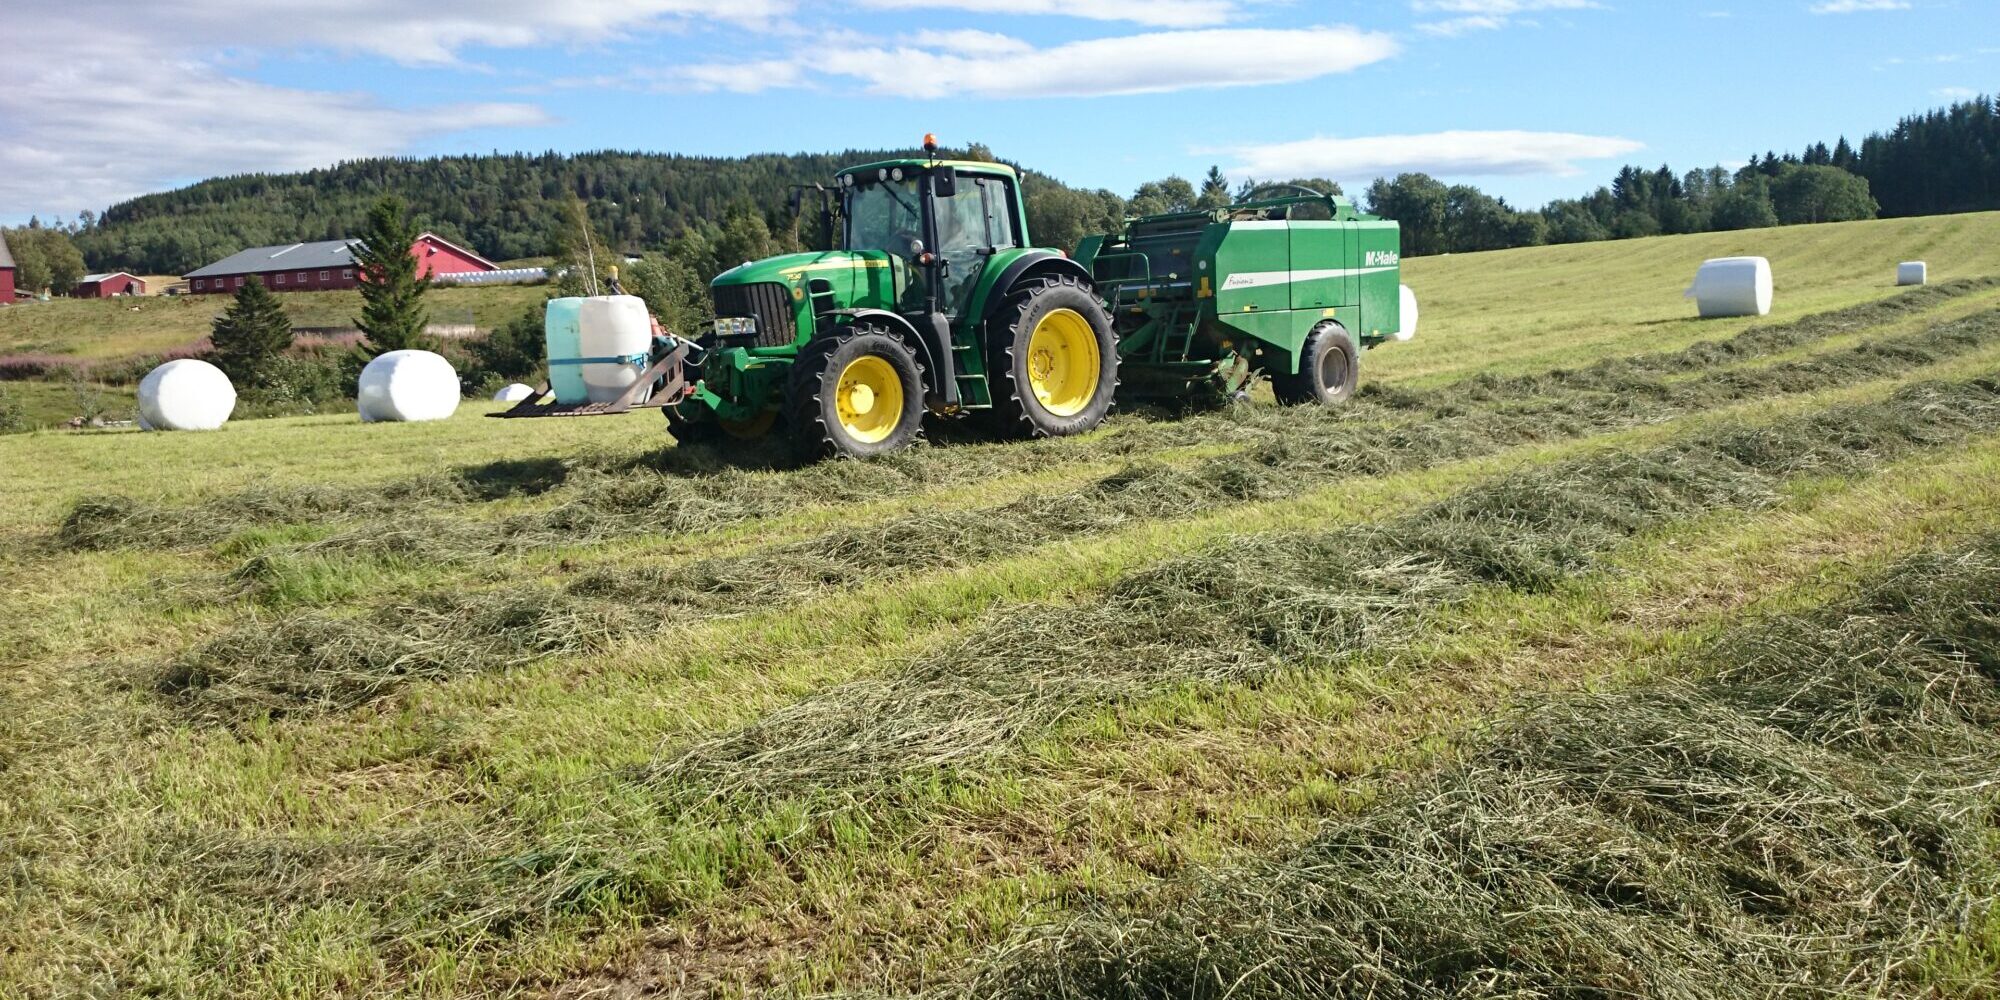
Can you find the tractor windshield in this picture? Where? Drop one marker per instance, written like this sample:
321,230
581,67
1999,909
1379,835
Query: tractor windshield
883,216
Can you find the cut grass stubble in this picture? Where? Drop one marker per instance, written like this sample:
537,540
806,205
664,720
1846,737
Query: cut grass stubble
1808,818
318,660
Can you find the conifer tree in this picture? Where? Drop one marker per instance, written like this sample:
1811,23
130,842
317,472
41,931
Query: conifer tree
392,295
250,332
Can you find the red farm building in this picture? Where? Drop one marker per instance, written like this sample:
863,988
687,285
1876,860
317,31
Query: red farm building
312,267
6,274
104,286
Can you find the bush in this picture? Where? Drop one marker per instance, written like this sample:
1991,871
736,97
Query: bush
508,354
13,415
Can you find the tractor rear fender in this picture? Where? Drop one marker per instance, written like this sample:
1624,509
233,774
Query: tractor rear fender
1028,265
901,326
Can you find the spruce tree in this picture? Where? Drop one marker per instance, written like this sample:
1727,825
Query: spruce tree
392,296
250,333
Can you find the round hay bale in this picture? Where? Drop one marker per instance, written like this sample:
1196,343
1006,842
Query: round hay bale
513,393
1912,272
185,395
1407,312
1733,286
407,386
617,330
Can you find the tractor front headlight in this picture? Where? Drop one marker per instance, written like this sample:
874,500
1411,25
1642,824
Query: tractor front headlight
736,326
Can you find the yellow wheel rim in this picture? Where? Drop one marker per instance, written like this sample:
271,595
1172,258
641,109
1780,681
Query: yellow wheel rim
869,399
1063,363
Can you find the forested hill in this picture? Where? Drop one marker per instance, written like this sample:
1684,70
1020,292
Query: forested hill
506,205
503,205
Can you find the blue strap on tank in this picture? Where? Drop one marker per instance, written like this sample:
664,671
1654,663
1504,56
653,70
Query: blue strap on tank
622,359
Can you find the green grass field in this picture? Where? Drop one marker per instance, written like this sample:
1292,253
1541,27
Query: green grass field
1593,649
110,329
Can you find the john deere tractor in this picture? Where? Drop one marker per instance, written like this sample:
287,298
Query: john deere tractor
937,301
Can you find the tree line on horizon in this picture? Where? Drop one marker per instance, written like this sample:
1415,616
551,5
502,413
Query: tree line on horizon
505,205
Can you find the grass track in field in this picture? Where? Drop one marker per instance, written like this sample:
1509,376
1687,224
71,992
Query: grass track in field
548,882
1811,812
1190,776
318,660
687,500
373,850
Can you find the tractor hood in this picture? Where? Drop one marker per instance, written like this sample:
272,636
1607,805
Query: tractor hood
872,279
798,268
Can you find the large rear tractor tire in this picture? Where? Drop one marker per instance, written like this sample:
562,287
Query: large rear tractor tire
1052,359
1328,371
857,394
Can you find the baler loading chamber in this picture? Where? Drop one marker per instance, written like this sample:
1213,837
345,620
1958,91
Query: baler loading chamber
1156,261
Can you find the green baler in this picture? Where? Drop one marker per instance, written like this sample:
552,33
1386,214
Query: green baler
1292,287
936,301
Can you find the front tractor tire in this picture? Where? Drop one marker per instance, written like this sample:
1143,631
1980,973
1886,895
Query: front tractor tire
856,394
707,428
1053,360
1328,371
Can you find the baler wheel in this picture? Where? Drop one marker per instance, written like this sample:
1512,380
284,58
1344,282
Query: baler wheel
856,394
1328,370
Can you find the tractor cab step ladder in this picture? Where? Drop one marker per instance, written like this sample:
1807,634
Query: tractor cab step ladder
970,386
670,366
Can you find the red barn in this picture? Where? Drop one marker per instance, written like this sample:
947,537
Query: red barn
104,286
312,267
436,255
6,273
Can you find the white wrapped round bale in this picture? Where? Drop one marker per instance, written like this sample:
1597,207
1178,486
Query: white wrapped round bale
1406,311
407,386
513,393
1912,272
1732,286
185,395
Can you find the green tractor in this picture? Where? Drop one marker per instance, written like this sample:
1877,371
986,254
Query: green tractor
937,301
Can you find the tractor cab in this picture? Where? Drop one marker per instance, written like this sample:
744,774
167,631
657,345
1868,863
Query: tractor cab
946,219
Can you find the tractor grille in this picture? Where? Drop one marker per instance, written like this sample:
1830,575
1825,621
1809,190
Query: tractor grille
769,302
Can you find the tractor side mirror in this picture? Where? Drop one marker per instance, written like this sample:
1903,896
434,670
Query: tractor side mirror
944,181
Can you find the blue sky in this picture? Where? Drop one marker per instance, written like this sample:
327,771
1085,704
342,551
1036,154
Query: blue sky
1530,99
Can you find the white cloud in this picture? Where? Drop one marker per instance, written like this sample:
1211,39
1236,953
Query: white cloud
91,117
1486,15
410,33
1449,154
970,42
1956,93
1452,27
739,78
1501,8
1857,6
90,133
1131,64
1153,13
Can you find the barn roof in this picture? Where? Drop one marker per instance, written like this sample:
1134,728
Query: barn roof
294,257
6,259
88,278
428,235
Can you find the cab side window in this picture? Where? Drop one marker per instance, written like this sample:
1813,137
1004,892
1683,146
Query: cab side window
962,220
1000,222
